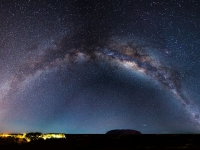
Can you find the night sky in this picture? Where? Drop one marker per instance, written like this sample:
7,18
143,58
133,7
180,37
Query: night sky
90,66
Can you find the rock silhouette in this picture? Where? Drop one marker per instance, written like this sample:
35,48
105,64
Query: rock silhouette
123,131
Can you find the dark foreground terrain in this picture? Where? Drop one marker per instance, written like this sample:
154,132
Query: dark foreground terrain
104,141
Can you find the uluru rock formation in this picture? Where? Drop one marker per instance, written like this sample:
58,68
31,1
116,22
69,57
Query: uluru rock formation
123,131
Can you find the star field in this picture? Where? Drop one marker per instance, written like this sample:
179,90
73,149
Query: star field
93,66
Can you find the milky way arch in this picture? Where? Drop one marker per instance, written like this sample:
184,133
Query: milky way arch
123,55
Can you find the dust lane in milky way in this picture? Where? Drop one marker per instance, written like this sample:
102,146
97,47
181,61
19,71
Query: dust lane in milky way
129,57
